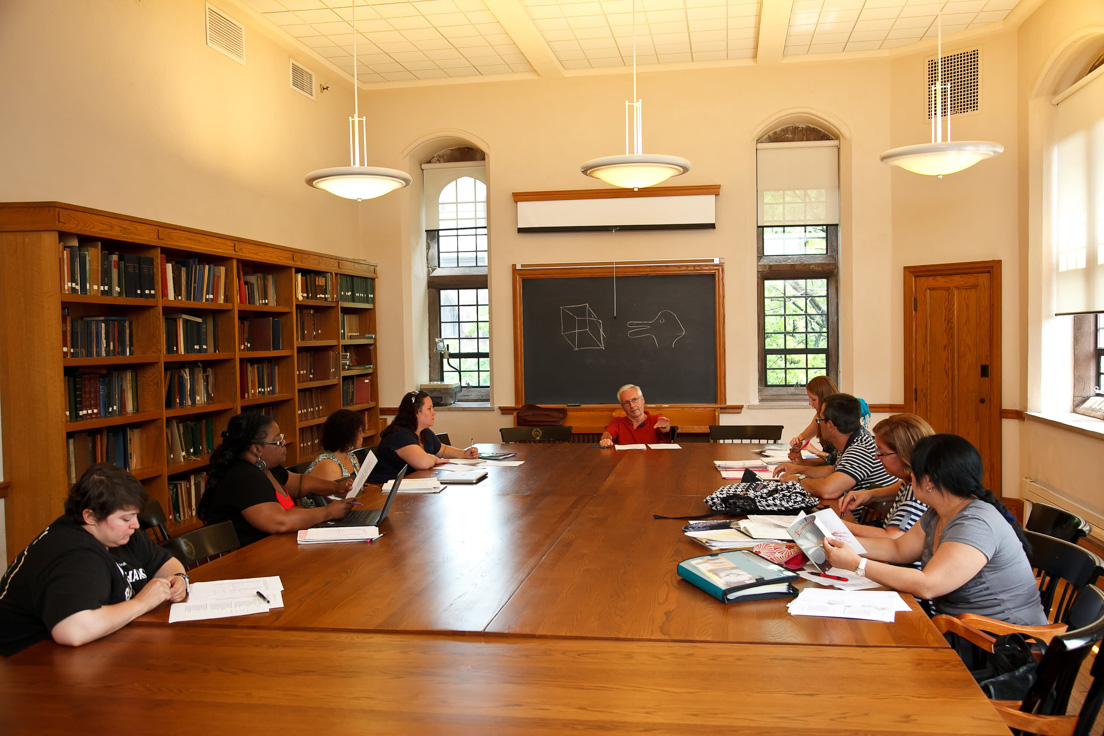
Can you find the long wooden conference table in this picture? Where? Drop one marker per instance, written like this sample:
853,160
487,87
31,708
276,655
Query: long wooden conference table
543,599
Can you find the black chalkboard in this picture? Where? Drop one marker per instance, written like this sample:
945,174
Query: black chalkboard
664,337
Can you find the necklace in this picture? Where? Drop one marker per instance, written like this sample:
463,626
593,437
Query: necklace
942,523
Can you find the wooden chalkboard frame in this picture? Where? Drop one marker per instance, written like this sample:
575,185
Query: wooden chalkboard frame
708,266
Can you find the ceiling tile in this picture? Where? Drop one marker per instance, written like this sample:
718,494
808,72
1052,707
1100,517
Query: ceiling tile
666,16
449,19
588,33
441,54
300,31
386,37
545,11
662,29
803,19
421,34
741,34
395,10
859,36
675,58
370,26
697,45
482,16
700,26
703,36
989,16
319,16
802,29
520,68
741,53
883,3
577,9
266,6
921,22
575,63
461,31
797,50
413,66
413,21
466,71
403,76
710,55
433,44
433,73
1001,4
302,4
588,21
470,5
454,64
913,34
914,11
665,38
863,45
826,48
835,27
870,13
748,22
551,24
799,40
650,5
742,11
317,42
558,35
397,46
431,7
406,58
824,38
964,6
891,43
706,13
839,16
283,19
806,6
883,24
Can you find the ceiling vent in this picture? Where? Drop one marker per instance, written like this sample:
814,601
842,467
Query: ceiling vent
225,35
302,79
961,72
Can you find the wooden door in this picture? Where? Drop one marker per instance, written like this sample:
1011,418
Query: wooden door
952,354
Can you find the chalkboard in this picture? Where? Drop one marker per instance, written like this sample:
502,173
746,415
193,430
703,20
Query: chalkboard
665,337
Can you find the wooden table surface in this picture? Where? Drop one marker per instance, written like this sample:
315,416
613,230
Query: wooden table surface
157,679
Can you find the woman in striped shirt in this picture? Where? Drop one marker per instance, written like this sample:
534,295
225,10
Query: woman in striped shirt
894,437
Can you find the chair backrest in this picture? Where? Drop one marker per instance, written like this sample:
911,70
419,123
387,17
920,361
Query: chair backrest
1062,570
443,436
153,517
532,415
745,433
300,468
535,434
201,545
1055,522
362,452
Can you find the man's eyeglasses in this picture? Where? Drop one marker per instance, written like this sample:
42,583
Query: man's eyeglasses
633,400
278,440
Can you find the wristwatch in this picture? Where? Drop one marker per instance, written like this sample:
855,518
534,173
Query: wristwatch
861,569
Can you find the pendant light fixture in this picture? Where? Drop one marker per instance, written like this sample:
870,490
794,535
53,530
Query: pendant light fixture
356,181
940,156
636,169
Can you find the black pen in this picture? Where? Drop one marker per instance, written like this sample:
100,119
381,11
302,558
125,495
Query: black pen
264,598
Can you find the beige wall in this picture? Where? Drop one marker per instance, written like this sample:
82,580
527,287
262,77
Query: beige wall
132,113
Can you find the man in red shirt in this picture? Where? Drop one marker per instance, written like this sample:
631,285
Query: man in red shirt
637,426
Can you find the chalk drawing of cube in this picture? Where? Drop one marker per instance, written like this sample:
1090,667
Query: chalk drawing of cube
581,328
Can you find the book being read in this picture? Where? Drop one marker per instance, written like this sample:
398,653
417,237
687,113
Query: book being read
810,530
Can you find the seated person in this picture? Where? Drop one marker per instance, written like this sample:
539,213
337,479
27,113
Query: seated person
248,486
817,390
409,440
637,426
856,468
88,574
895,437
973,555
342,432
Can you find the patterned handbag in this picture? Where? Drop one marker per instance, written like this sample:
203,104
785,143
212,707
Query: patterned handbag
762,497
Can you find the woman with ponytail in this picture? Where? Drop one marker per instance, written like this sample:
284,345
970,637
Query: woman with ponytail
247,484
972,553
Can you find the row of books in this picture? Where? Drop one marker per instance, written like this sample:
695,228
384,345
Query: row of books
356,390
315,365
189,385
96,394
186,333
260,333
310,441
88,269
310,404
192,281
184,494
356,289
314,285
96,337
350,326
309,325
258,289
188,440
259,378
119,445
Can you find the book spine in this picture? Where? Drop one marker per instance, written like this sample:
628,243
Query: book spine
687,573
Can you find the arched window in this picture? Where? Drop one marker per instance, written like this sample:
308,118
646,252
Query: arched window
462,224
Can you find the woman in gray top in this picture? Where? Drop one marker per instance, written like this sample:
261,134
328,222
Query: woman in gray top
973,554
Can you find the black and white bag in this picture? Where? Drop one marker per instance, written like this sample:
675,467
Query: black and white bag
762,497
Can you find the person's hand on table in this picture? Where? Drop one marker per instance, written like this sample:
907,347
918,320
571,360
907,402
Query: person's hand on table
155,592
471,452
178,588
605,443
840,555
783,469
338,509
853,500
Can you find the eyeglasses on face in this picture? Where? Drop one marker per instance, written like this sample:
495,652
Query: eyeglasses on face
883,454
633,400
278,440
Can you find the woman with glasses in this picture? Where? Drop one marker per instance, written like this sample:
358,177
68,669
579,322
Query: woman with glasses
409,440
247,484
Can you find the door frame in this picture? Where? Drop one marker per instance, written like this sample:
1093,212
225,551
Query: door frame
993,269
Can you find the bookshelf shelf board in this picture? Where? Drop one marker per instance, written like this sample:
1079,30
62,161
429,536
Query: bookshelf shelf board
316,344
144,416
370,432
311,422
185,411
191,357
357,371
122,360
359,341
170,304
316,302
356,305
263,308
145,473
270,399
188,465
360,407
122,301
251,354
319,384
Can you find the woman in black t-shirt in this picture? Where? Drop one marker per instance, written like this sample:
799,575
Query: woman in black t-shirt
88,574
248,486
409,440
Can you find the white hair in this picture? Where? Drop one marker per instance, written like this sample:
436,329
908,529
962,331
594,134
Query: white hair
625,388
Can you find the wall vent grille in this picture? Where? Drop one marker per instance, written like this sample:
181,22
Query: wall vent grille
302,79
225,35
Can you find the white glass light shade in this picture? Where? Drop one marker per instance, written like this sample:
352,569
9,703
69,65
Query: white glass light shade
358,182
634,171
937,159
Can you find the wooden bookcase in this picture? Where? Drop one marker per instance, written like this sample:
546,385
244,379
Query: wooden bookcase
39,433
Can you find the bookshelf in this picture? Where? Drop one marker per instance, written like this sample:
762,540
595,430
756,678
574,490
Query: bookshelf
189,328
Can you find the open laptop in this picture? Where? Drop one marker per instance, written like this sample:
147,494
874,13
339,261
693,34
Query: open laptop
368,517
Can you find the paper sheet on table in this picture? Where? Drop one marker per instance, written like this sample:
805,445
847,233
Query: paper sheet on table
415,485
867,605
725,539
225,590
738,475
456,466
502,463
465,461
851,581
665,446
362,474
216,609
630,447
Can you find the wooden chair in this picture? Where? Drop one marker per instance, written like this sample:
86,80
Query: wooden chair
511,435
153,517
1063,570
1055,522
745,433
202,545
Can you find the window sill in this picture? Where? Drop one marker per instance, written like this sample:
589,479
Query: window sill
1079,423
466,406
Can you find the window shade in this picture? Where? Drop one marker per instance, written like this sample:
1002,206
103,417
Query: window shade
798,183
1079,204
435,177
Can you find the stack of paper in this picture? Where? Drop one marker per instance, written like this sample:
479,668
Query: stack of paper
868,605
502,463
665,446
415,485
734,469
224,598
630,447
331,534
717,539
